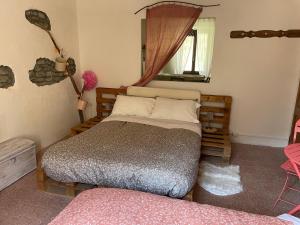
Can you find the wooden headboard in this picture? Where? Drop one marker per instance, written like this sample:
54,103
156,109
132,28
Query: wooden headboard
105,98
215,109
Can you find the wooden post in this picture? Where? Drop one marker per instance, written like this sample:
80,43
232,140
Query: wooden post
40,174
227,149
41,179
70,189
189,196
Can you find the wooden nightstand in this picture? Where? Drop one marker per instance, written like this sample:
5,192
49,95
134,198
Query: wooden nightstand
215,110
84,126
105,99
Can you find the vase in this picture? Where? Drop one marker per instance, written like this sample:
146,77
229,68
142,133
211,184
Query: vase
81,104
60,64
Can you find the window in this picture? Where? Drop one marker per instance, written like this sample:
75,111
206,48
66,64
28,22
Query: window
193,60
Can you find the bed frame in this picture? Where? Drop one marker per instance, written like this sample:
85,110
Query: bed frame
216,144
214,112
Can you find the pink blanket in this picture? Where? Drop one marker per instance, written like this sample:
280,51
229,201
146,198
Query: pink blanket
118,206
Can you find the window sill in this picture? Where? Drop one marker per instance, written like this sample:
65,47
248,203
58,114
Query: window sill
183,78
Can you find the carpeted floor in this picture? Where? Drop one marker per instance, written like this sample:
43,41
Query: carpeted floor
262,180
22,204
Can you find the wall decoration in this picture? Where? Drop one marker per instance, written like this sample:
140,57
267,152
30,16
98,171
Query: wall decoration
46,71
7,77
265,34
38,18
61,65
41,20
71,66
90,82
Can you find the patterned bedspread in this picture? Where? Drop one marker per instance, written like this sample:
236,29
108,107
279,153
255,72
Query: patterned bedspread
116,206
128,155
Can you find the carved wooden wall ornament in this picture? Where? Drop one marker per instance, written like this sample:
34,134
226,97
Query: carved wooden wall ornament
265,34
7,77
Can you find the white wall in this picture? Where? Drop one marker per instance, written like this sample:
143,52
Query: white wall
260,74
42,113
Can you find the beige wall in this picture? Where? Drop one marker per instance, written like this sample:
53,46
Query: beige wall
261,74
42,113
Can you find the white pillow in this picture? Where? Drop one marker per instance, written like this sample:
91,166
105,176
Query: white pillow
173,109
133,106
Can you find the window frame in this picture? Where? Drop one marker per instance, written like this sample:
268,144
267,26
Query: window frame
194,34
186,76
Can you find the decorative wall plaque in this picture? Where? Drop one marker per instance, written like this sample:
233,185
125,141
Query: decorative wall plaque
7,77
265,34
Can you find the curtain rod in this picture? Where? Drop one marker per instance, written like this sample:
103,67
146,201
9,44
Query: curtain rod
148,6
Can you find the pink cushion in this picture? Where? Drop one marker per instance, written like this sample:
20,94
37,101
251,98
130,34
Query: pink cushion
117,206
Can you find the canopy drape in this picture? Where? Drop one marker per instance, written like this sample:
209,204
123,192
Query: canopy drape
167,26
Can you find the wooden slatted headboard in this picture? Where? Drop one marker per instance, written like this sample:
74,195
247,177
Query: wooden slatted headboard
105,98
216,109
216,106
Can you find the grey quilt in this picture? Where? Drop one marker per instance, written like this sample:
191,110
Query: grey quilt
128,155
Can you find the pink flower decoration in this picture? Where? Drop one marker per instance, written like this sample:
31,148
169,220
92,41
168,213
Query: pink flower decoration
90,80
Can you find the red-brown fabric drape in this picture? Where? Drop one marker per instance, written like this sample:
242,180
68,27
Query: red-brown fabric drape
167,26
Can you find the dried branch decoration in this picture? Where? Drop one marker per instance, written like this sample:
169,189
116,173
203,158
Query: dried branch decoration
41,20
175,2
45,71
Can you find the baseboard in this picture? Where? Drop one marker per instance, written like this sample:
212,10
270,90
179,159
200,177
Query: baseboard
259,140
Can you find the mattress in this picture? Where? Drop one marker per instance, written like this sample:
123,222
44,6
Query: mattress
135,153
116,206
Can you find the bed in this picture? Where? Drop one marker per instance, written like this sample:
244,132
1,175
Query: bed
138,153
117,206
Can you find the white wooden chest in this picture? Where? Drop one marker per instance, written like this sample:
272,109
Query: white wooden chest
17,158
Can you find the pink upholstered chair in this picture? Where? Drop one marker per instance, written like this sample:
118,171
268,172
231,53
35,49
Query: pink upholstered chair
294,210
291,167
